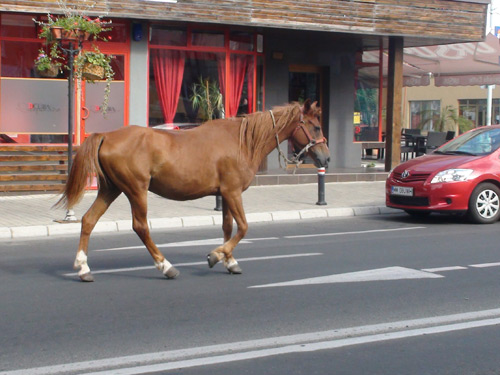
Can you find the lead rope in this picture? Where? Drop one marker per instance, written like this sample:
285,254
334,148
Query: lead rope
281,154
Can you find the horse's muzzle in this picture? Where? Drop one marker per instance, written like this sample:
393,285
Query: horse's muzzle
321,155
321,162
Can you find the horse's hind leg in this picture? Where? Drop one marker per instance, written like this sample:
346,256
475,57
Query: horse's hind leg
138,203
106,195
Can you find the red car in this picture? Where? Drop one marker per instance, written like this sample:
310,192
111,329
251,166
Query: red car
461,176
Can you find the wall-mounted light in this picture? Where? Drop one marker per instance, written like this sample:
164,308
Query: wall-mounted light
137,32
260,43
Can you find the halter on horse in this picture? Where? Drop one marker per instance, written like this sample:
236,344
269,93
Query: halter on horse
219,157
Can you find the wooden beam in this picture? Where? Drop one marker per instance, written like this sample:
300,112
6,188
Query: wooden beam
394,98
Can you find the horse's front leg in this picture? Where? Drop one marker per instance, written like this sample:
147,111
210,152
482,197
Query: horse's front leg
217,255
232,208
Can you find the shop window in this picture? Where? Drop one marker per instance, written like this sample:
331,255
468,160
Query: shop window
424,113
18,59
119,31
366,118
207,38
118,65
241,41
240,86
168,66
238,77
171,101
161,35
366,114
18,26
475,110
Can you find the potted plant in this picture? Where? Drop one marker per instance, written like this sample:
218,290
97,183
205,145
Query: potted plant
72,27
207,96
448,119
48,64
93,66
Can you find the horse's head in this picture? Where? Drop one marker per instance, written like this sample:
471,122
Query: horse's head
308,136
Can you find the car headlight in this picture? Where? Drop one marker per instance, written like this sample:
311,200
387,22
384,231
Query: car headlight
452,175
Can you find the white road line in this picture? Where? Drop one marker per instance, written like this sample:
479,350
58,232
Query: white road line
353,232
210,241
485,265
326,339
443,269
131,269
301,348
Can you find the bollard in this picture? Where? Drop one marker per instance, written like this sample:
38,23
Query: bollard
218,203
321,187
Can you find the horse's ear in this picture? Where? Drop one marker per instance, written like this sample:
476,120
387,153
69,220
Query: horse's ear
316,109
307,106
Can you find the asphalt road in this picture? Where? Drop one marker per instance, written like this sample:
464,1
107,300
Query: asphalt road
372,295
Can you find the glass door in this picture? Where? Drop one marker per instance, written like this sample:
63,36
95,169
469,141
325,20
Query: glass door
92,117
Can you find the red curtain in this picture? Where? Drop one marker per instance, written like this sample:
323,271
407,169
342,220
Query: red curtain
237,72
168,69
250,75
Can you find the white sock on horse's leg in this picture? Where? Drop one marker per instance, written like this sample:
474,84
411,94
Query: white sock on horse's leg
167,269
163,266
230,262
232,265
81,262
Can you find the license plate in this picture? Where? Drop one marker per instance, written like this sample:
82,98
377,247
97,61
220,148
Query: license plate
401,190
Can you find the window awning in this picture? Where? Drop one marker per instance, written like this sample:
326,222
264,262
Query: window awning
461,64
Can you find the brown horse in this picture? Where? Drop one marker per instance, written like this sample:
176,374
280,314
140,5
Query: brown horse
218,157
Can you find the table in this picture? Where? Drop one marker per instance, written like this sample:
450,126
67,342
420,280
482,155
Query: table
370,145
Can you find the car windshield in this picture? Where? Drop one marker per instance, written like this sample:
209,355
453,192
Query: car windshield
480,142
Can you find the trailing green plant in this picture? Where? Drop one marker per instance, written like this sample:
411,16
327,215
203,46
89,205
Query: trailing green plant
79,25
48,61
91,28
97,59
206,95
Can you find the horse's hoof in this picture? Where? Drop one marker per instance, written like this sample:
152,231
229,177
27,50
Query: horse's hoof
212,260
87,277
235,269
172,273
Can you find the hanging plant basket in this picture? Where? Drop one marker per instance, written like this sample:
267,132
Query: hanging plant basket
51,72
92,72
56,32
60,33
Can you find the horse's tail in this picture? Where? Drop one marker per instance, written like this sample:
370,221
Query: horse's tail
85,165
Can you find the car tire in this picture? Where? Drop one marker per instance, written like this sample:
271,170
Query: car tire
418,214
484,204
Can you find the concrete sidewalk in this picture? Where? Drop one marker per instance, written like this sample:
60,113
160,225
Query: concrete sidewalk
33,216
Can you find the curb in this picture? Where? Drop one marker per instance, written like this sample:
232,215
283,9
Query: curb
190,221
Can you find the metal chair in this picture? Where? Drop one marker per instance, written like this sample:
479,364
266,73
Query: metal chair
434,140
408,142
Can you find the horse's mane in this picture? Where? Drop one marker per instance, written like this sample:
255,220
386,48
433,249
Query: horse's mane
257,128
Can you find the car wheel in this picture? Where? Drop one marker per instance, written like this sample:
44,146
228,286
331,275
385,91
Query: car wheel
484,204
417,213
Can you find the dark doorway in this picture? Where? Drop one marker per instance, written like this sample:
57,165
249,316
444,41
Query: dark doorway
306,82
